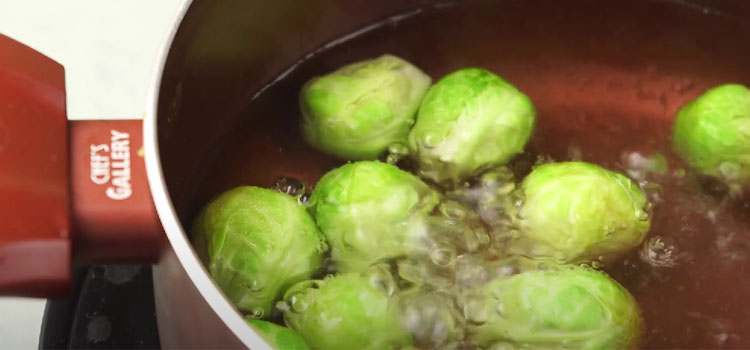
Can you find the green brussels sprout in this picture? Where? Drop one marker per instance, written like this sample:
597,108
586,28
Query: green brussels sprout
712,133
255,243
469,121
371,211
567,307
576,211
278,337
347,311
359,110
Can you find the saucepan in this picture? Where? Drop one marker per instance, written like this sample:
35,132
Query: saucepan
607,79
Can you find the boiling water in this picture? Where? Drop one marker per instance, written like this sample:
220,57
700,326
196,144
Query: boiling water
606,88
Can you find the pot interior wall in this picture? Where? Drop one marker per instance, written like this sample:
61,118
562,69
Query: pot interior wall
224,120
581,55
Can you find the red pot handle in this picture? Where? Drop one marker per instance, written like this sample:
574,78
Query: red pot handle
84,198
113,215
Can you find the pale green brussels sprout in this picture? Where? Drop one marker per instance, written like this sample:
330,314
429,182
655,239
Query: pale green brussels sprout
577,211
359,110
371,211
255,243
567,307
347,311
278,337
469,121
712,133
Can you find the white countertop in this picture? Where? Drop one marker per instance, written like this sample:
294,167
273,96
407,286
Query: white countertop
108,49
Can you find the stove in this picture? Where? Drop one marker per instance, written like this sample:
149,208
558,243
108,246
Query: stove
111,307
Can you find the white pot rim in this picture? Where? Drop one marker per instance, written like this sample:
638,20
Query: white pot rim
174,230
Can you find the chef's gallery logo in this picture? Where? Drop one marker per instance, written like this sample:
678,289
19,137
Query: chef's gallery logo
110,165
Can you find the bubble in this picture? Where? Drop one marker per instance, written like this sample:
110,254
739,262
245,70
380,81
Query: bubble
283,306
483,237
508,268
408,271
474,309
396,153
474,239
289,185
398,149
505,189
433,320
297,304
443,256
380,276
453,210
575,153
658,251
257,312
431,141
255,286
392,159
304,199
470,271
502,345
730,171
653,190
321,247
489,179
721,338
641,168
500,308
645,213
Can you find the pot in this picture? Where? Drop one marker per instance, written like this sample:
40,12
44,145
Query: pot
126,191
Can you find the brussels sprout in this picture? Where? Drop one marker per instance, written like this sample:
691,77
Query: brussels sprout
357,111
347,311
469,121
576,211
278,337
712,133
567,307
371,211
257,243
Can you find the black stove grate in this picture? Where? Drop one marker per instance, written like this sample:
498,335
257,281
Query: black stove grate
111,307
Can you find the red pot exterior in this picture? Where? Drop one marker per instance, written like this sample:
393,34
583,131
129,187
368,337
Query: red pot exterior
35,237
